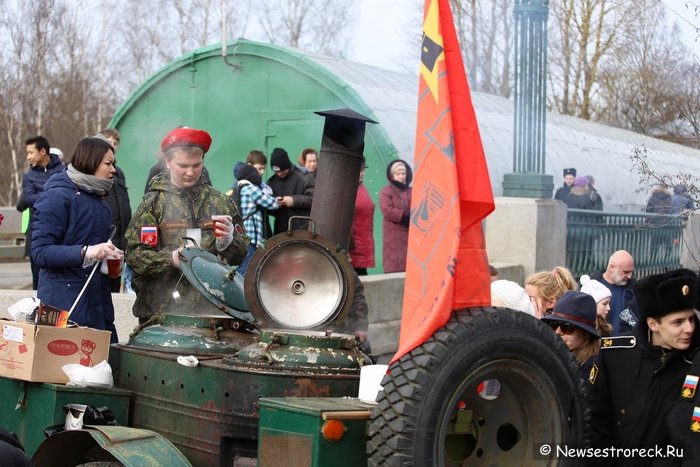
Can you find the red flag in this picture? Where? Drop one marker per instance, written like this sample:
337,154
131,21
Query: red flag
447,266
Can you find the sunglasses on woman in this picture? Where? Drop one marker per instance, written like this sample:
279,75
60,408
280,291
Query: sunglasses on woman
566,328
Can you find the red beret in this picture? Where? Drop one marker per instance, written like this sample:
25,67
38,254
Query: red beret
186,137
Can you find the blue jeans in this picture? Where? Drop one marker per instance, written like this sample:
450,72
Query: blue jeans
244,265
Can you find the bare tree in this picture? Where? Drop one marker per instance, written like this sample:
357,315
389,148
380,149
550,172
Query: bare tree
636,92
314,25
689,105
485,32
25,84
582,33
154,32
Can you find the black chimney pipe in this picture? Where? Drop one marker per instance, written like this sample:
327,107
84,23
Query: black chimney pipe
338,174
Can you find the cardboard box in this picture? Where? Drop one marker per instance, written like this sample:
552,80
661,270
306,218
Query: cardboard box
37,353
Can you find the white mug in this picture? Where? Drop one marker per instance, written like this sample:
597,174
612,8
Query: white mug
74,416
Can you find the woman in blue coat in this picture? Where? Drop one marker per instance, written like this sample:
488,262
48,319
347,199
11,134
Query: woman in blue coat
71,232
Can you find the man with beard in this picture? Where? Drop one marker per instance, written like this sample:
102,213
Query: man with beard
618,278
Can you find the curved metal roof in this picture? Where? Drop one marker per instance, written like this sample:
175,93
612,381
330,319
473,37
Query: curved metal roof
390,97
594,149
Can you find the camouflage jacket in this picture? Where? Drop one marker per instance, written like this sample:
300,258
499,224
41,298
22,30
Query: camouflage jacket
157,228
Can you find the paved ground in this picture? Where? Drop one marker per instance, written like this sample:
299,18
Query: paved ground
15,275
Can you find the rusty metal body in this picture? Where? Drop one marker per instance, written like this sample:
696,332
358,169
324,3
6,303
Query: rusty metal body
210,412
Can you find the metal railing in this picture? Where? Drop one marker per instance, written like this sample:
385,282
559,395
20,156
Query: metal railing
653,240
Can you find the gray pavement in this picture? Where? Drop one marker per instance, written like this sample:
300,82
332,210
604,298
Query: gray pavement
15,275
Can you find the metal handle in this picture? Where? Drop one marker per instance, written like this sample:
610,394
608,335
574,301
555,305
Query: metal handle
311,223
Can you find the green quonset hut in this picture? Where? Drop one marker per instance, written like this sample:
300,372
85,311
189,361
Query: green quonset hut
262,96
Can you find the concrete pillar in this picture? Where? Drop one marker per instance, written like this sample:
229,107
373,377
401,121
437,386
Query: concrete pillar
530,232
690,248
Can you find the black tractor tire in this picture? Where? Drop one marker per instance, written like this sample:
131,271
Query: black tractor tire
440,406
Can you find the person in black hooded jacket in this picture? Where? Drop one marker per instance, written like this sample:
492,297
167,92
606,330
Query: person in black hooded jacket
636,378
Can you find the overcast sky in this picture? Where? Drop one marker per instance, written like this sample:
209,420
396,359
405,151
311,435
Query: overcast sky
382,37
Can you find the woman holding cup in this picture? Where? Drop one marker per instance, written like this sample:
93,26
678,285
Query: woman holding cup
72,226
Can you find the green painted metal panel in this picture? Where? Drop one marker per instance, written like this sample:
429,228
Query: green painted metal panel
132,447
290,429
27,408
267,99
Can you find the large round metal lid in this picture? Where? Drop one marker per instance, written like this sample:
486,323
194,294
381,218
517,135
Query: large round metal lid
215,281
300,280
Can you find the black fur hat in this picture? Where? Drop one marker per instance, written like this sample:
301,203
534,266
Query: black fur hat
660,294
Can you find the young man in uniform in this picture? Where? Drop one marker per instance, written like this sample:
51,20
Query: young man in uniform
638,376
569,177
179,203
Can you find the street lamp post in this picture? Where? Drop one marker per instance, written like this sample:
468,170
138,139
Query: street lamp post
529,179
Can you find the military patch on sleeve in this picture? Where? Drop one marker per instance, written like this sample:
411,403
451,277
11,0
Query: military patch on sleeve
689,386
618,342
593,374
149,235
695,420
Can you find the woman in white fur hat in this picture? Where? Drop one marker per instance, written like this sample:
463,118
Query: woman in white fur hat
602,295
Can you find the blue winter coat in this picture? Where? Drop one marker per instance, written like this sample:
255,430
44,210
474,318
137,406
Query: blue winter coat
33,182
66,218
34,179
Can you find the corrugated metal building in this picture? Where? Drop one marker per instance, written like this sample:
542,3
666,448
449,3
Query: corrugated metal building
263,96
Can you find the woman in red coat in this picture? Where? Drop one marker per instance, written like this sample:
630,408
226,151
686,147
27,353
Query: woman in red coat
395,203
362,239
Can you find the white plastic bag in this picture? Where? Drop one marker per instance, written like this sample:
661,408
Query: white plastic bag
98,376
23,308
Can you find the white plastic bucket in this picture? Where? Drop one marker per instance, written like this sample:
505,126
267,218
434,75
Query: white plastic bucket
370,382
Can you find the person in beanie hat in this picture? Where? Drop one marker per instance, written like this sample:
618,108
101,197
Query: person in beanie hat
292,190
279,161
578,196
510,295
601,295
638,376
573,319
